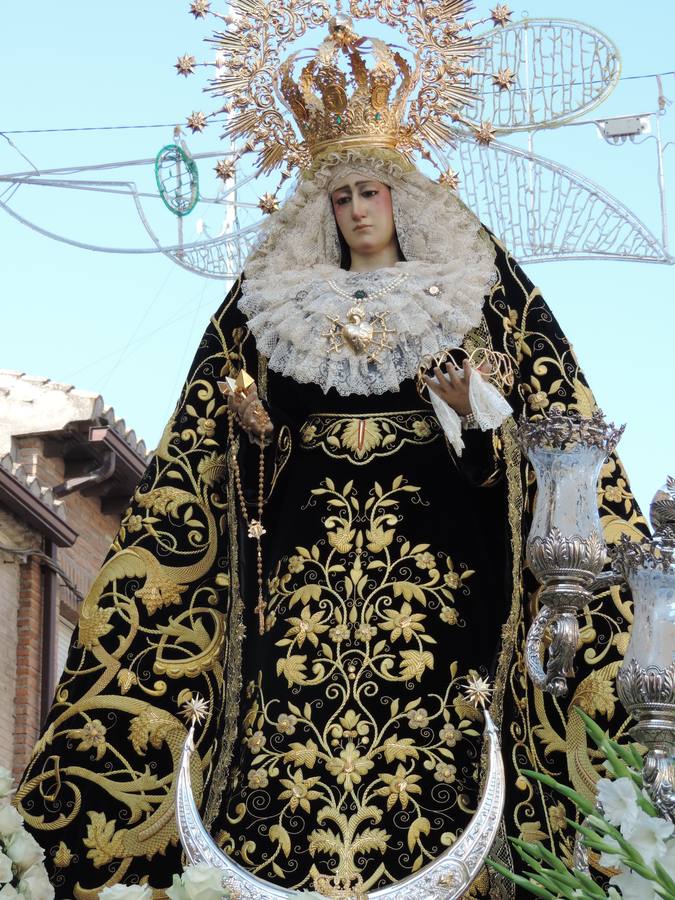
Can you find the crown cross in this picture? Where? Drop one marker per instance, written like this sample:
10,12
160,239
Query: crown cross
356,106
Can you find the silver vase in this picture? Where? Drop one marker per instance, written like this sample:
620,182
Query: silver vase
646,681
565,549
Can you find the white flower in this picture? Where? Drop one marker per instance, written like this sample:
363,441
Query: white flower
611,860
634,887
176,891
6,873
11,820
6,782
668,861
647,835
34,884
24,850
9,893
202,882
619,802
126,892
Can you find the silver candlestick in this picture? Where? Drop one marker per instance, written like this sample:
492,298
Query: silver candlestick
646,681
566,548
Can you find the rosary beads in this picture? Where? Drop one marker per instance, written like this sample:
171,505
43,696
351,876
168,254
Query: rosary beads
256,529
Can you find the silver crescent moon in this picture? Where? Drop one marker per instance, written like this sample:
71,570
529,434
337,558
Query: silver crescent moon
447,877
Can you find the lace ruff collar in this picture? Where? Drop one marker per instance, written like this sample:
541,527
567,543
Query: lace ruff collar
432,308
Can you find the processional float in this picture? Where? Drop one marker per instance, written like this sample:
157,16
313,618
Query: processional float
566,549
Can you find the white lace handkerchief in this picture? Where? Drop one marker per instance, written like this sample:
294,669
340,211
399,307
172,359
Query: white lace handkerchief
487,405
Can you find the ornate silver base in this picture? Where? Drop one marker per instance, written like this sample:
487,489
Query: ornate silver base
649,696
565,636
567,567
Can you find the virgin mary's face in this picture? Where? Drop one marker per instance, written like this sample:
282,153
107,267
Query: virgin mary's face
364,214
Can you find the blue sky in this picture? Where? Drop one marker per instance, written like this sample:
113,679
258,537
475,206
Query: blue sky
127,325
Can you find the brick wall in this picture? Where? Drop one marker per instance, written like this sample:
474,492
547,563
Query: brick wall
12,534
21,599
28,695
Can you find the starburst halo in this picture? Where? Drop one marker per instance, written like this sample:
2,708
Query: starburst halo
258,89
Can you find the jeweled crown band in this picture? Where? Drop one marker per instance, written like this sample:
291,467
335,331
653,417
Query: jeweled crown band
356,140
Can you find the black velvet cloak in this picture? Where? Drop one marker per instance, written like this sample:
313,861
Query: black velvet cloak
340,739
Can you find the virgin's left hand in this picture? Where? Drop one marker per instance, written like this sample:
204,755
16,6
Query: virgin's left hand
452,387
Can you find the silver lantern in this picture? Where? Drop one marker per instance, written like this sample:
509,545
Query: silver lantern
565,549
646,681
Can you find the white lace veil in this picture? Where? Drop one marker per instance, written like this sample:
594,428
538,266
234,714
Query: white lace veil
285,297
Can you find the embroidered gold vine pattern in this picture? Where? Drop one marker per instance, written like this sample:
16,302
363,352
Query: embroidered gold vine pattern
349,616
361,439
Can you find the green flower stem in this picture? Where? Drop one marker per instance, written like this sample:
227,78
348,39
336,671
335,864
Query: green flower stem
580,880
539,852
546,878
558,879
627,754
518,880
637,760
591,838
580,802
615,753
664,878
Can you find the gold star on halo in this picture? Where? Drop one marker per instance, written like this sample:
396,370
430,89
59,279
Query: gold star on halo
196,122
485,133
268,203
504,79
225,169
186,65
501,15
450,179
195,710
477,690
199,8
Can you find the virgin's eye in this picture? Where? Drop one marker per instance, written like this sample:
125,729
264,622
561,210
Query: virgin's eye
341,201
370,193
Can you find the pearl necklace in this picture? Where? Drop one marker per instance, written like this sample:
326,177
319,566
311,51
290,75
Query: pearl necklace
364,295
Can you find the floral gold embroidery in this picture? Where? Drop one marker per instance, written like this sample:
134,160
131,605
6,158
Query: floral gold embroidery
362,438
352,615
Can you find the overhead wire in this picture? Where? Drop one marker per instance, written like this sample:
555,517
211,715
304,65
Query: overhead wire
139,340
4,133
146,313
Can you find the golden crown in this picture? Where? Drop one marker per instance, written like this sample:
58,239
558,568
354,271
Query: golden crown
351,90
358,106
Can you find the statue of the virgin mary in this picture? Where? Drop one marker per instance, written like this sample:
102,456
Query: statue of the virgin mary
326,552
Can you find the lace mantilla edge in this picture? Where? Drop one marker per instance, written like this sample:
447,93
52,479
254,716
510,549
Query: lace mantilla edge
433,308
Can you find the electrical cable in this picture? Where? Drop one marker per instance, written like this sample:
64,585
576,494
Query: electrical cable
217,121
146,313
